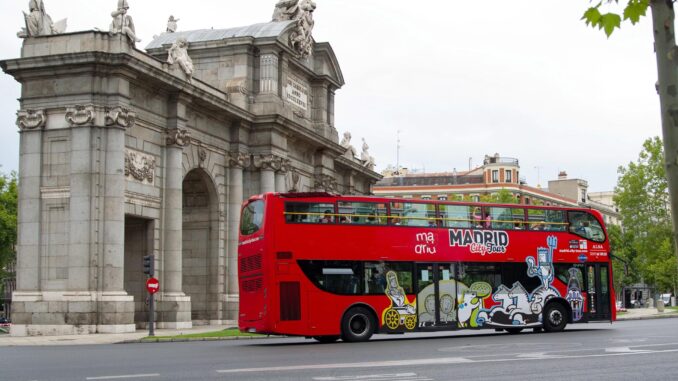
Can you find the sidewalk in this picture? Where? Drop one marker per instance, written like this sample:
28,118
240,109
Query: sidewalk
8,341
646,313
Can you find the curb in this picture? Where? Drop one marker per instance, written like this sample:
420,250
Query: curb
650,317
191,339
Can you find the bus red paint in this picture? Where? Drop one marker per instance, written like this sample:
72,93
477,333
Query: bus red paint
328,266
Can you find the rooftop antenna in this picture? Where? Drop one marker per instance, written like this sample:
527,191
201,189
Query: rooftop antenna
398,155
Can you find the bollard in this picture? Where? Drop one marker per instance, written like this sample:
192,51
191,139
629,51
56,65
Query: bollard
660,305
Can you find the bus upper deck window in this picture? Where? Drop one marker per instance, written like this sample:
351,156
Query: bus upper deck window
586,225
252,218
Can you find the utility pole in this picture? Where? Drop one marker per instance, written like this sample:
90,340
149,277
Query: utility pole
663,23
398,155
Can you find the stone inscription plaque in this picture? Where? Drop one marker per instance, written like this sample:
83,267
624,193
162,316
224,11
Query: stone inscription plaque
296,92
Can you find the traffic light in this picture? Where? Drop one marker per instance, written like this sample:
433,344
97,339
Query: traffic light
149,265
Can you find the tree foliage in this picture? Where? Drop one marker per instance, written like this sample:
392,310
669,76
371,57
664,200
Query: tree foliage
646,244
8,221
613,12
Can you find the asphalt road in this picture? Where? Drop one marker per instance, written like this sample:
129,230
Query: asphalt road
632,350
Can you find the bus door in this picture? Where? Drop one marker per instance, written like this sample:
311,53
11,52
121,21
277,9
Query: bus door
598,289
436,295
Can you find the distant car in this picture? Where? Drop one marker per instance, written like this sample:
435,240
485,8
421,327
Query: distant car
4,322
619,306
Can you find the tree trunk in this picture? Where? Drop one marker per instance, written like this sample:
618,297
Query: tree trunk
663,22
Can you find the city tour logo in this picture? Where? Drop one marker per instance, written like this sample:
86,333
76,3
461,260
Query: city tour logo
481,242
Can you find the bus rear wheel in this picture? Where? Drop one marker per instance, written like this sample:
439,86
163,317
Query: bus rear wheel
326,339
358,324
555,318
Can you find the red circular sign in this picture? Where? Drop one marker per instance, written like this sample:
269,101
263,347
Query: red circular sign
152,285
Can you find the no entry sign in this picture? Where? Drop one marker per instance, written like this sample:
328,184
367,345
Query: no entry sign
152,285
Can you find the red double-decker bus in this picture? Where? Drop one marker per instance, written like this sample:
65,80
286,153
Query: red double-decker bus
329,267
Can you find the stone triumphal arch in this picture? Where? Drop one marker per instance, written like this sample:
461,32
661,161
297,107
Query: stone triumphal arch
128,152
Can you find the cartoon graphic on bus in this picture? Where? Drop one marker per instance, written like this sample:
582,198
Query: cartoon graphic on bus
574,294
517,307
401,312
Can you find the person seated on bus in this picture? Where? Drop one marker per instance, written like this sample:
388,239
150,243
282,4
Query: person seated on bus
539,226
517,225
432,223
327,218
487,221
475,216
343,220
584,229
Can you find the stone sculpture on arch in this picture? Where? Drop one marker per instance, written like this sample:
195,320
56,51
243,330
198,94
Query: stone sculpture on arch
39,23
123,23
178,54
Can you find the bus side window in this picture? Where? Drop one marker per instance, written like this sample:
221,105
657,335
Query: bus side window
309,213
362,213
536,219
555,220
455,216
413,214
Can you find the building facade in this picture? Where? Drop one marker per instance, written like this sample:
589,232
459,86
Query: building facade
496,174
124,154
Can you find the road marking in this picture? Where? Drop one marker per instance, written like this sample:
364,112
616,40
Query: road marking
439,361
377,377
124,376
537,356
625,350
375,364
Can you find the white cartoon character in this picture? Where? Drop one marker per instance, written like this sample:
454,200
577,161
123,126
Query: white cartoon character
469,304
543,269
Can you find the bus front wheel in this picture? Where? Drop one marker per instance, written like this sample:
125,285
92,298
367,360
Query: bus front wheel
358,324
555,318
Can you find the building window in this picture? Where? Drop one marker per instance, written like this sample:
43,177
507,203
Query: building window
527,201
509,174
425,197
442,198
495,176
475,198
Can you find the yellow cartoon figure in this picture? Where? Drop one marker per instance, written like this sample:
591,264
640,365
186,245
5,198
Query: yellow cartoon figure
401,312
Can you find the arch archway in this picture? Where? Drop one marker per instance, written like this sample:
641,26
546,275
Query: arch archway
200,260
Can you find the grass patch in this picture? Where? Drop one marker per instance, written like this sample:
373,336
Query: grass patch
232,332
621,313
672,308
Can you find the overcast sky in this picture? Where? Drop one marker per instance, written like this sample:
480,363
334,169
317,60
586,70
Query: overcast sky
459,79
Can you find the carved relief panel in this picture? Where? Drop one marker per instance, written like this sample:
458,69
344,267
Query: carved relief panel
140,167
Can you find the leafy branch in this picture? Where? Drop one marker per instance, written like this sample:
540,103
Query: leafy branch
609,21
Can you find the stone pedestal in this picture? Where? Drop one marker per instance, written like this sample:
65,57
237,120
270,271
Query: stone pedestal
71,313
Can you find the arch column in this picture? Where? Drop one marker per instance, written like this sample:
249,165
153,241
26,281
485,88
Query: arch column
176,141
174,307
281,175
237,161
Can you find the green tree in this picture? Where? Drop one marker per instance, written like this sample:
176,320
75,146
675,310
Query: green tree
666,51
624,261
504,196
643,199
8,219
